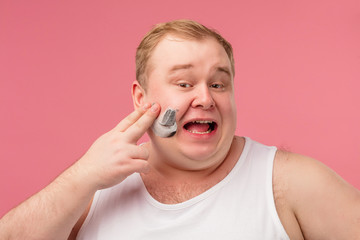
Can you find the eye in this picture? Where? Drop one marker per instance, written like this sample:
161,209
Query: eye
184,85
216,85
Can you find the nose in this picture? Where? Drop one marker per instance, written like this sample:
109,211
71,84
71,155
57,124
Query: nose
203,98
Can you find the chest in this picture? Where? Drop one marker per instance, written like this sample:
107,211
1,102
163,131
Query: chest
229,211
170,193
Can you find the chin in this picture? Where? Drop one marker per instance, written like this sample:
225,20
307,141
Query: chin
200,153
196,154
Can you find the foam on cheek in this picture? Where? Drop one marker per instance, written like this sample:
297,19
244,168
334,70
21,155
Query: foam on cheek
165,125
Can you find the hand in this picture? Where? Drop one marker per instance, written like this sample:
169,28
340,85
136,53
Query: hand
115,155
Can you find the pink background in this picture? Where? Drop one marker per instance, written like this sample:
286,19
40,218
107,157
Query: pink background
66,68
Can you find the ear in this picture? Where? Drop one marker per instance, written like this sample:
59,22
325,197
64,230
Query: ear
138,94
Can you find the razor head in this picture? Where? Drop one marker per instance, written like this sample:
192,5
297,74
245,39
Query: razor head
165,125
169,118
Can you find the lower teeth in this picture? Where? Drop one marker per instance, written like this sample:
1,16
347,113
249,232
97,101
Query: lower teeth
208,131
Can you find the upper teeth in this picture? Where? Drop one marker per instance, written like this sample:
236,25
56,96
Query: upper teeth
202,121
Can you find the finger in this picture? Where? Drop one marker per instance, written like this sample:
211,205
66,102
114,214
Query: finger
138,152
132,117
137,165
135,131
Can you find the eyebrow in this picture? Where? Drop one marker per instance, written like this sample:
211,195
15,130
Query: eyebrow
176,68
224,70
180,67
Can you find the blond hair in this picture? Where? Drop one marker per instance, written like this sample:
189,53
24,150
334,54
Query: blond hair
183,28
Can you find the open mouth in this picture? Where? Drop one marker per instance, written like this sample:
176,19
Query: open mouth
200,127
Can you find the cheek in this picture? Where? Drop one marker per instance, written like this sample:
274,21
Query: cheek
228,107
154,95
166,99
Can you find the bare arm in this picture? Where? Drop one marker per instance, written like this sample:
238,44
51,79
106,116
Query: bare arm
53,212
324,205
75,230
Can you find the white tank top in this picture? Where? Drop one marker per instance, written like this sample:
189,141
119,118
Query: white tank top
241,206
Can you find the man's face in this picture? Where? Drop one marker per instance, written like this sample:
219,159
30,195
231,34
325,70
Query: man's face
194,77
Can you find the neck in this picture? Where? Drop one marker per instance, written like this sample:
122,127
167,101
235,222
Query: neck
164,182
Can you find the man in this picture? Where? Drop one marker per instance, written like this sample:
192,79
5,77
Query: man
201,183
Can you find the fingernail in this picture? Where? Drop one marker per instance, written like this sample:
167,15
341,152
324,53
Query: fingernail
146,106
154,107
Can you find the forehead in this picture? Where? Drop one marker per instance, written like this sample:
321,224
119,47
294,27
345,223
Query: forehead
174,52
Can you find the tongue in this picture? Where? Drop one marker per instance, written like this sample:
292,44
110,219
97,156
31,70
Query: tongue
197,127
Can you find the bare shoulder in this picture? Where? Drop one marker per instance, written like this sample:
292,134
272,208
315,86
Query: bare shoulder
317,201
